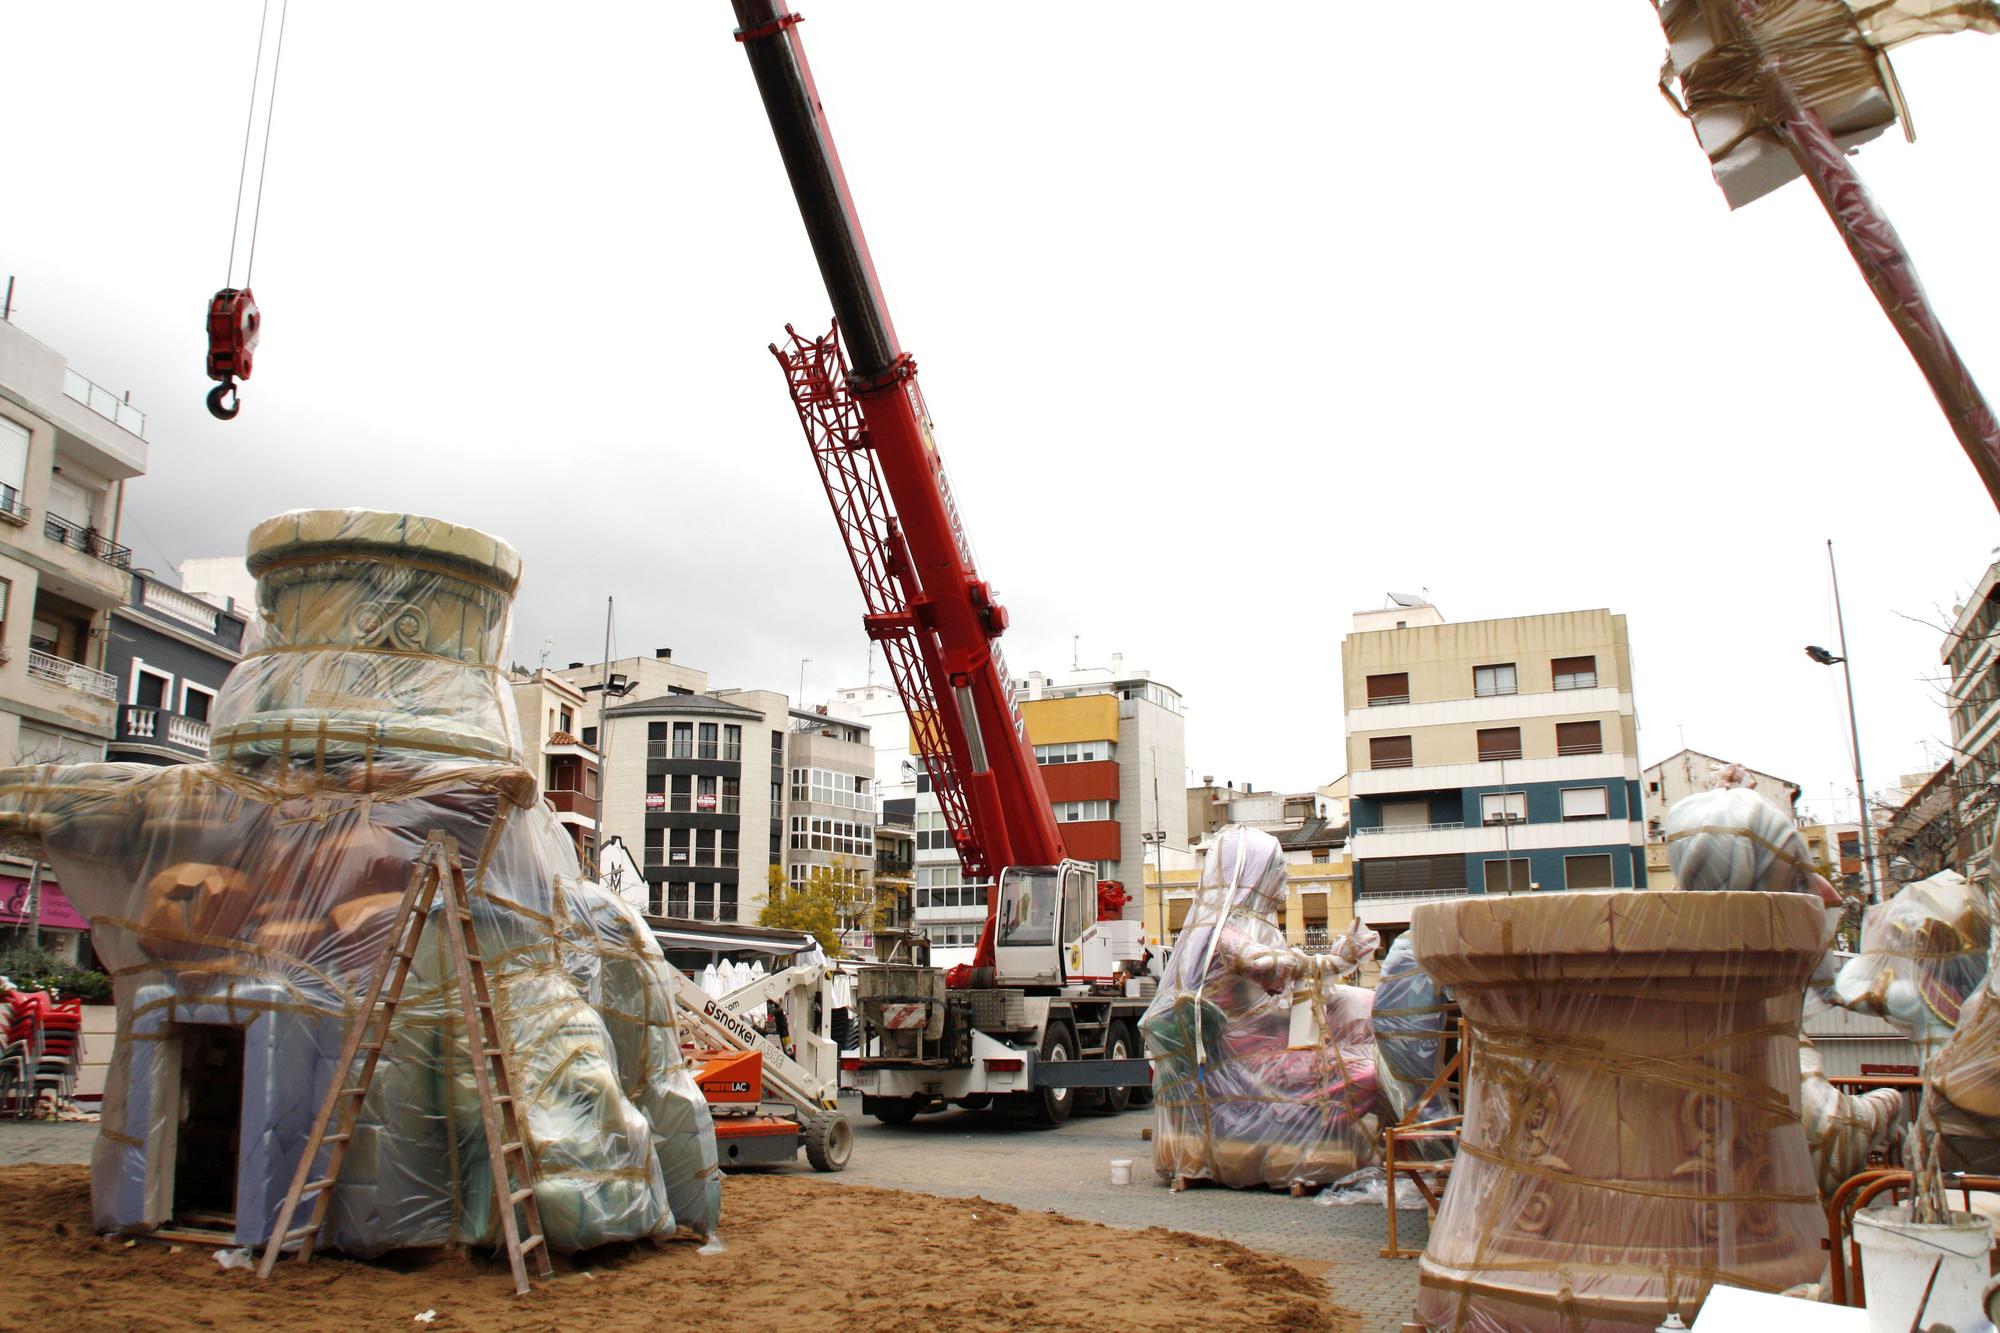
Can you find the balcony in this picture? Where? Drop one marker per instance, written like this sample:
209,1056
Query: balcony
174,604
687,749
1410,828
1578,747
569,802
13,509
87,540
1387,700
154,726
1387,762
104,402
53,670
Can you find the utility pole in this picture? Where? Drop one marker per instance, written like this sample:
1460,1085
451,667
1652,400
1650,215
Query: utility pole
1825,658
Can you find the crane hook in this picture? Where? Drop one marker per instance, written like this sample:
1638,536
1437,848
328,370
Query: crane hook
216,407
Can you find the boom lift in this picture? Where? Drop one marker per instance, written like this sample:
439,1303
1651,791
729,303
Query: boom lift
1016,1022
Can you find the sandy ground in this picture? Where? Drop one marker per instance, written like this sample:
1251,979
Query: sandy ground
798,1254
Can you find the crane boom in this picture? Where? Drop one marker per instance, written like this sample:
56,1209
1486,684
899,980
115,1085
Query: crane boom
871,437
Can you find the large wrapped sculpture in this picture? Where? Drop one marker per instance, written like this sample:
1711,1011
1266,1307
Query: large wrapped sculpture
1962,1099
1264,1070
243,905
1923,953
1633,1130
1410,1018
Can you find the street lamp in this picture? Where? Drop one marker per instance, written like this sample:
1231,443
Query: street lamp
1825,658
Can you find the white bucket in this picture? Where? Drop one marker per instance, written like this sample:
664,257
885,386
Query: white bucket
1896,1259
1121,1170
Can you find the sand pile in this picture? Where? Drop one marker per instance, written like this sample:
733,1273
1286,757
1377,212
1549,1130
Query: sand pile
798,1254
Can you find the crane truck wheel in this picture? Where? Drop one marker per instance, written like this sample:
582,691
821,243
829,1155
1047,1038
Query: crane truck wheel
1118,1046
1051,1106
829,1141
892,1110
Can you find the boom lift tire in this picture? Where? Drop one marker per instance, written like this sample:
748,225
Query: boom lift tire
829,1141
1051,1106
1119,1044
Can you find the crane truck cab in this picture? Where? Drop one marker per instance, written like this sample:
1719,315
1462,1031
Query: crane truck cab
1043,912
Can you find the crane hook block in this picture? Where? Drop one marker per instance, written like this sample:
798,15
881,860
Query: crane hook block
234,324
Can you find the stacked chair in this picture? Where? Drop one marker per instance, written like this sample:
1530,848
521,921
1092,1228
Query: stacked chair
43,1048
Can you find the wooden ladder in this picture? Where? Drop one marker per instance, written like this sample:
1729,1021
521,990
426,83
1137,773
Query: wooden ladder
436,871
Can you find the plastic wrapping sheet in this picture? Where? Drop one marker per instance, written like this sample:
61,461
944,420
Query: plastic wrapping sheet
1730,838
1632,1127
1265,1069
1923,953
255,893
1843,1128
1963,1076
1411,1018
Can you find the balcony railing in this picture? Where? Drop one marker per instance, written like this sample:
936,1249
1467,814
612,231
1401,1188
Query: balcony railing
71,675
91,542
1404,762
141,723
1490,755
1410,828
12,507
695,750
571,802
1580,747
1385,700
177,605
104,402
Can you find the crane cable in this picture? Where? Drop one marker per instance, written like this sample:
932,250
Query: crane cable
249,122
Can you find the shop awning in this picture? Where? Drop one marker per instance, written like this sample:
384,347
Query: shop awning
58,913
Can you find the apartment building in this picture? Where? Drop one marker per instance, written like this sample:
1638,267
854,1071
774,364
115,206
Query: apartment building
1319,885
1211,807
1491,756
1972,791
831,817
67,448
566,770
169,653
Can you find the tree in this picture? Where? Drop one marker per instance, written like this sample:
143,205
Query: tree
833,900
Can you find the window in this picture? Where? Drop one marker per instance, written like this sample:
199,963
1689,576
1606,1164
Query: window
683,740
826,787
655,841
683,793
705,793
656,785
1411,874
589,737
196,700
732,742
932,834
810,833
656,731
1850,846
1508,875
6,596
1072,812
1574,673
677,847
677,900
565,720
1585,803
1406,814
725,902
14,439
732,797
1587,872
729,848
1579,738
1499,743
1389,752
1491,680
1503,807
704,846
150,688
1075,752
1390,688
945,886
1320,857
710,747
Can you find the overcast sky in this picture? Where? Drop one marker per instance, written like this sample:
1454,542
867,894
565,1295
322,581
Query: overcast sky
1229,328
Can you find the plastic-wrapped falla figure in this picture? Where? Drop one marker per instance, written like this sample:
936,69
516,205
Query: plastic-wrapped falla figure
243,905
1265,1070
1732,838
1922,954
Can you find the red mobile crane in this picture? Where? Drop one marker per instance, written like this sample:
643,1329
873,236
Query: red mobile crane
1035,996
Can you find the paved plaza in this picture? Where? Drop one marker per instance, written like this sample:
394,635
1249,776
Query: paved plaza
1068,1170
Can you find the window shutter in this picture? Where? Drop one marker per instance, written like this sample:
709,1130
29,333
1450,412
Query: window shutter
1393,688
1584,803
1499,743
1389,752
1579,738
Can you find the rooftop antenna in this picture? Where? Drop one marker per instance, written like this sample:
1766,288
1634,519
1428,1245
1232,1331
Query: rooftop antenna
1075,652
548,646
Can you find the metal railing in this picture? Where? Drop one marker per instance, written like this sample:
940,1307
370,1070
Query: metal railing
71,675
1492,756
1410,828
104,402
1385,700
1405,762
1582,680
695,750
1579,747
88,540
12,506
